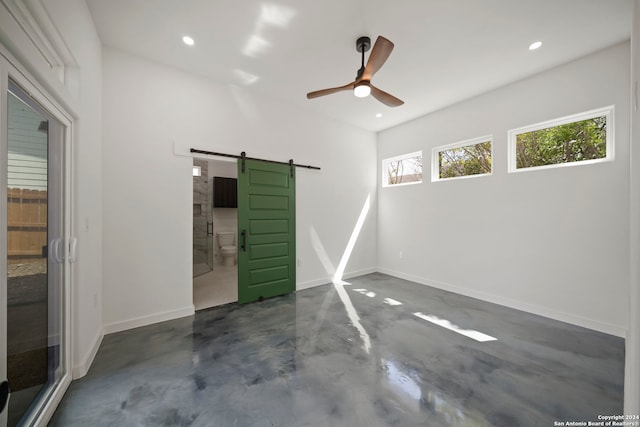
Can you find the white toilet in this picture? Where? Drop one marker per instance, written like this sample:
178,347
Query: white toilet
226,247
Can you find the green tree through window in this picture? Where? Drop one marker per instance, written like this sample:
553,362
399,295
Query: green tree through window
467,160
571,142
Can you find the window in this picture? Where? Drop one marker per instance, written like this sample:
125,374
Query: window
405,169
576,139
472,157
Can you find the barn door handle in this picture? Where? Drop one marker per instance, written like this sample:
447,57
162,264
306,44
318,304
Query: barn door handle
244,240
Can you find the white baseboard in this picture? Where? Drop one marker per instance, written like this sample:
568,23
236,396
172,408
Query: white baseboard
511,303
329,279
361,272
312,283
136,322
79,370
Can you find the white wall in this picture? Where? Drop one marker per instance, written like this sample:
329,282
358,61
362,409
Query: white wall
75,24
80,94
147,189
553,242
632,353
227,169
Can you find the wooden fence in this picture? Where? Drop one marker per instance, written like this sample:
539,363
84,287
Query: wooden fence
27,224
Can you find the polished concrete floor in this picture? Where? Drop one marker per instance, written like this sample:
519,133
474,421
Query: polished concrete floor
378,352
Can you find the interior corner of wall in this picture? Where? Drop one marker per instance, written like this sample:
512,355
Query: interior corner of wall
85,361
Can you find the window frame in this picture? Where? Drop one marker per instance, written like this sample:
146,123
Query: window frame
512,134
435,158
385,162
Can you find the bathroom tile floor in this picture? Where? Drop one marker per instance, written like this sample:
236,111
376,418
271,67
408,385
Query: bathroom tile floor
217,287
372,353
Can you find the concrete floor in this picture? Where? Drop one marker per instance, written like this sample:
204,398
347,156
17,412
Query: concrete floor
378,352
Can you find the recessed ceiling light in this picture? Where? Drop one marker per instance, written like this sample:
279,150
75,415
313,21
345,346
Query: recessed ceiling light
379,115
188,41
535,45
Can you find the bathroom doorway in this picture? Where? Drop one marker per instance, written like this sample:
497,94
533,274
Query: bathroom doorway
215,224
202,219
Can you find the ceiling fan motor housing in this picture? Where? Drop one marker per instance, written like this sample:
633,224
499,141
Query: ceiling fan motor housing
363,44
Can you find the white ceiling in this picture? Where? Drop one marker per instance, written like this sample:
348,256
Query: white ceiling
445,50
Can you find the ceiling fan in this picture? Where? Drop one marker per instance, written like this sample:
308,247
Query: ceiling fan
362,86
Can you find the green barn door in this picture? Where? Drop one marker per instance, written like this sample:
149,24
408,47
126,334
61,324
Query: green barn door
266,230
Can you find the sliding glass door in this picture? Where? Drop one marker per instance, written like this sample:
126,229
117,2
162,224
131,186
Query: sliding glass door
33,297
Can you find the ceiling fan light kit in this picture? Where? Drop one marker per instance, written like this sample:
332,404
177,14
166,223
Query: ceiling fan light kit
362,86
362,89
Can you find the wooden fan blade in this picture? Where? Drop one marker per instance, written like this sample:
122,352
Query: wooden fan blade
329,91
385,97
379,54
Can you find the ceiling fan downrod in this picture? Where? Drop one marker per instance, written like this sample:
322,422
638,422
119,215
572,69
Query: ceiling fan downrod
363,44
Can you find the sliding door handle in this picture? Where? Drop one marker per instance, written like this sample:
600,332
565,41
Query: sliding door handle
209,228
4,395
244,240
73,249
54,251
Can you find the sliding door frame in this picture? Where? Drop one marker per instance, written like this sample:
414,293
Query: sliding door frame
4,90
11,69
